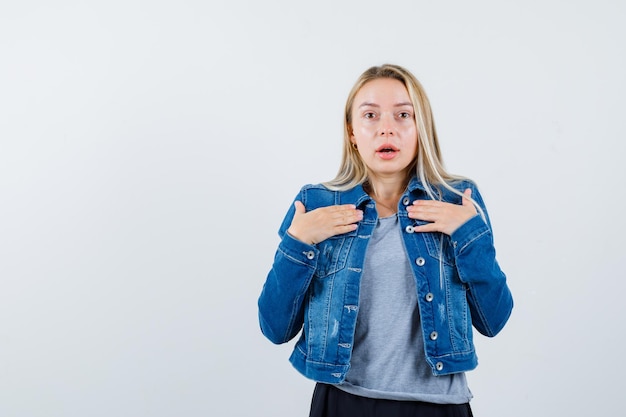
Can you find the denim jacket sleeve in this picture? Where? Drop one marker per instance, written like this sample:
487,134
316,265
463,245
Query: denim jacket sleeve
489,297
281,303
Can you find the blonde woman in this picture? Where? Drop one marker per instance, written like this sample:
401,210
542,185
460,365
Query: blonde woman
385,270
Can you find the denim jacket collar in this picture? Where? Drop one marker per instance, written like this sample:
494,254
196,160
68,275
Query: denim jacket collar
359,196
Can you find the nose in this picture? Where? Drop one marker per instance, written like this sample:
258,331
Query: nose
386,126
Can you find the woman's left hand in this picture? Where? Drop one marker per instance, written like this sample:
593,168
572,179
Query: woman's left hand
443,217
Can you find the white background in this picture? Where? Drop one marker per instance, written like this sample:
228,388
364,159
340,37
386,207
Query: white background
149,150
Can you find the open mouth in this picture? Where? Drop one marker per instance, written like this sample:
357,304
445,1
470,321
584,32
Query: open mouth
387,148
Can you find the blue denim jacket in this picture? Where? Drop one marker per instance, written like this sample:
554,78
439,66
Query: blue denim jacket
316,287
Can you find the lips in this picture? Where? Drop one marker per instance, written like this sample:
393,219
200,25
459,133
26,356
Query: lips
387,148
387,151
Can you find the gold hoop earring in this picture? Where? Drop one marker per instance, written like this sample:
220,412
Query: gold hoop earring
354,146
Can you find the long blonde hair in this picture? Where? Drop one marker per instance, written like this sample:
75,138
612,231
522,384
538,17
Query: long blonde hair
427,165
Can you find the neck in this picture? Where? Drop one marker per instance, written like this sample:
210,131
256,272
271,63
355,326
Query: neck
386,193
386,188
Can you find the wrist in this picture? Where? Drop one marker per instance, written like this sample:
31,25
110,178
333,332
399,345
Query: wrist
298,237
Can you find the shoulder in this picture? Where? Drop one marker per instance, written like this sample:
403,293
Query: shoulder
309,187
317,195
460,185
313,190
313,196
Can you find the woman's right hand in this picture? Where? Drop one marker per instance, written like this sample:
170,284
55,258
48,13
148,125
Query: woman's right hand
317,225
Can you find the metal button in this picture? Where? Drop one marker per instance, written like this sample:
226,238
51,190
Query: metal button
433,336
310,254
439,366
406,201
429,297
420,261
409,229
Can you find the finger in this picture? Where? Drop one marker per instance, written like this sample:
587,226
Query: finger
341,207
336,211
349,217
430,227
429,209
427,203
467,194
300,209
344,228
345,214
421,215
425,213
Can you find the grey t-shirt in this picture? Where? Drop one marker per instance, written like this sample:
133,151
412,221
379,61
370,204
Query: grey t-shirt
388,358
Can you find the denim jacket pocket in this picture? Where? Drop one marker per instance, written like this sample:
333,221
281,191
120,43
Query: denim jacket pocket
440,247
333,253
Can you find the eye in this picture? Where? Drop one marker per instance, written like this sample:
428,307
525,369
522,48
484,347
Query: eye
369,115
404,115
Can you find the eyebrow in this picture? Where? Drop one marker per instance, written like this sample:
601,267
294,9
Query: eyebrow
367,104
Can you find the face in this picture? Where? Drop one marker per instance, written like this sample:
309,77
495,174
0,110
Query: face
383,127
